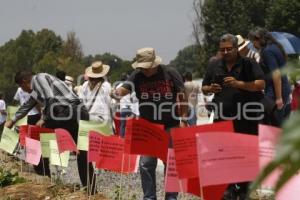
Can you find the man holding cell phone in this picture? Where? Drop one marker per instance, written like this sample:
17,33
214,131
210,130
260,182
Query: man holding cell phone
237,83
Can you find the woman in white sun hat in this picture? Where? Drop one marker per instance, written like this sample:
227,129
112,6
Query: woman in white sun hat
95,94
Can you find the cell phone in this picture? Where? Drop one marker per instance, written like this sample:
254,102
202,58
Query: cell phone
219,79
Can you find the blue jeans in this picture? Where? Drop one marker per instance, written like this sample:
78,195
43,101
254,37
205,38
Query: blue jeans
148,166
124,114
192,121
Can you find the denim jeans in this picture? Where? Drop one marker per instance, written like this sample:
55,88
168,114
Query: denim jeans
192,121
148,177
124,114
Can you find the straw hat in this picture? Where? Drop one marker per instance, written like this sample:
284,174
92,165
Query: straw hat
146,58
97,70
241,42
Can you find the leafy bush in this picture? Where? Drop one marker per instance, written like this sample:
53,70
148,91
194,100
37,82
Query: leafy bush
7,178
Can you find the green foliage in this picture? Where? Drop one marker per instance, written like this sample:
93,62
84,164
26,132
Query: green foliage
117,65
47,64
7,178
29,51
284,15
45,41
231,16
192,59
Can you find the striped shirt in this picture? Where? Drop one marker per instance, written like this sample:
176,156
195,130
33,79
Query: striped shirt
253,55
48,90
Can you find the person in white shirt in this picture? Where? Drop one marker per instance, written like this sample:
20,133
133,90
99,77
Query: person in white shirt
192,89
33,115
3,113
129,106
95,94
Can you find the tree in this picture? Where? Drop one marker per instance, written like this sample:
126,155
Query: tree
284,15
192,59
72,47
28,51
45,41
216,17
47,64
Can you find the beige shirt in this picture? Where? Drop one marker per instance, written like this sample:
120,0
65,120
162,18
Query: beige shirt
192,89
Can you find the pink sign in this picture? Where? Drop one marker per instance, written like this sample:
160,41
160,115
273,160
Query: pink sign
65,141
94,146
227,158
33,151
290,191
268,137
172,182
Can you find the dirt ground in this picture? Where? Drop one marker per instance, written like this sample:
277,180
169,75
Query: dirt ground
37,187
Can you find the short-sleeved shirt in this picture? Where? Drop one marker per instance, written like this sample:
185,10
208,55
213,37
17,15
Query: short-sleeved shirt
157,95
100,108
246,70
192,89
2,108
22,97
273,59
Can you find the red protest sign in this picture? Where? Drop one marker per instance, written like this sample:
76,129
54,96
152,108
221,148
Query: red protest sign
65,141
184,142
112,156
94,146
172,182
23,132
192,186
142,135
227,158
34,131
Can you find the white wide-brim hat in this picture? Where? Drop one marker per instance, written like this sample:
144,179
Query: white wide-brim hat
242,43
97,70
146,58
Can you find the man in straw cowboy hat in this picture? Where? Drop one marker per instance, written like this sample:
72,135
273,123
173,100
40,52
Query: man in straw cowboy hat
155,85
61,109
244,50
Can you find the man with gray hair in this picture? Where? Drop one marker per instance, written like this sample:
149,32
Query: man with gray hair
236,82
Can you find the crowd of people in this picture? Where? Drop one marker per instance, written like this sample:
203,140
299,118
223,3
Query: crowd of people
248,87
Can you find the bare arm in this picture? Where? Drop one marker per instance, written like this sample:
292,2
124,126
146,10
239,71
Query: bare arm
119,93
213,88
253,86
276,77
